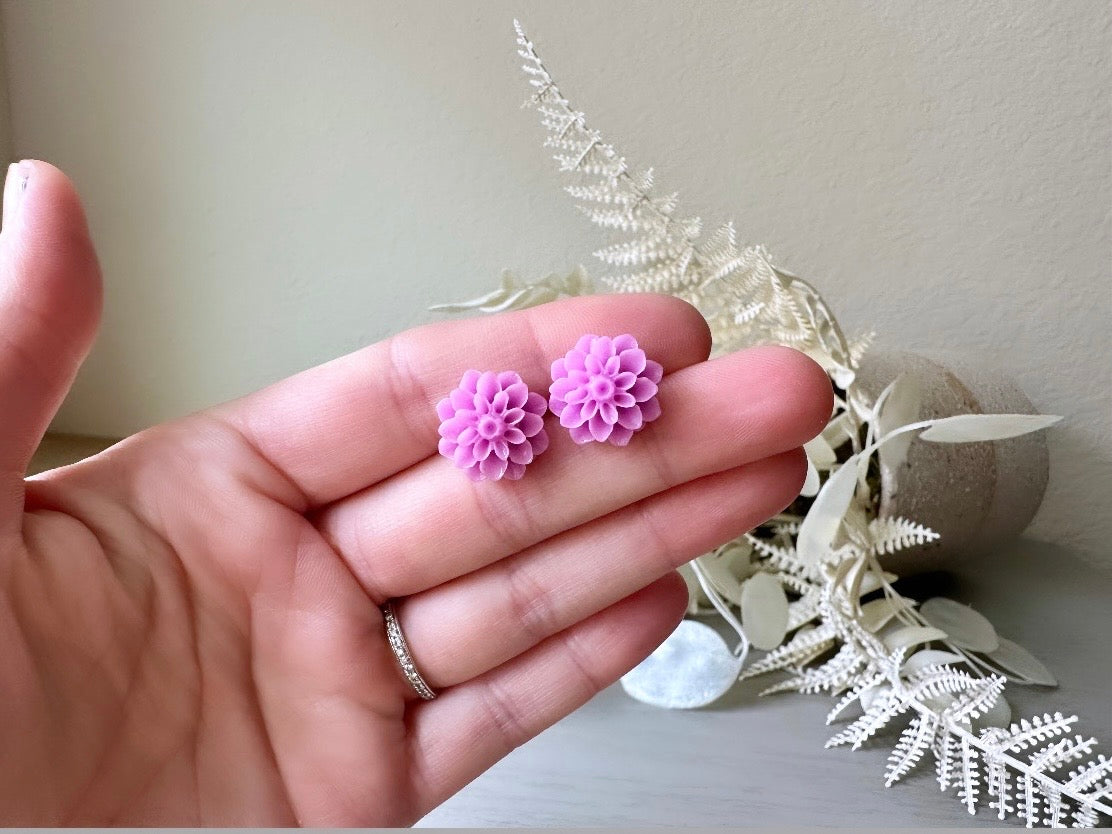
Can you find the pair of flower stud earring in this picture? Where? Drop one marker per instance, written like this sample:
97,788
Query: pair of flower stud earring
603,390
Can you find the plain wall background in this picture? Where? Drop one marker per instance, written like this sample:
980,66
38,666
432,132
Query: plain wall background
271,184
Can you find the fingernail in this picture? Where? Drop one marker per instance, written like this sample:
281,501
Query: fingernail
15,184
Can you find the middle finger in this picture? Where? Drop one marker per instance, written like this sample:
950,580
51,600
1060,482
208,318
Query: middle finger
429,524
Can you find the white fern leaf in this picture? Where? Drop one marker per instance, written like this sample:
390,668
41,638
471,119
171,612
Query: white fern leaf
914,741
891,533
1040,728
1061,752
1090,775
853,695
977,699
945,759
1029,800
969,778
1085,816
998,787
802,645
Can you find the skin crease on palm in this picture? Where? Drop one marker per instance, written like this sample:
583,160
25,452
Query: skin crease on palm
190,622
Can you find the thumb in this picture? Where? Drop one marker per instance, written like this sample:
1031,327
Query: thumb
50,297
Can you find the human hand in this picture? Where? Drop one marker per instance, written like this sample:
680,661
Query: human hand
190,626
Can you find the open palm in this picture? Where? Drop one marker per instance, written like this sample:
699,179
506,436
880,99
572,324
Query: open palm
190,629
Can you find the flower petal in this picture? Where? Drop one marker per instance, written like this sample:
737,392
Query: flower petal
447,447
581,434
600,429
500,402
464,456
608,412
633,360
578,394
493,467
620,436
625,380
469,381
508,378
562,387
500,448
585,342
573,361
487,386
623,399
643,389
514,471
536,404
467,436
452,427
650,410
572,416
613,365
530,424
521,453
462,400
590,409
445,410
592,364
603,348
513,435
623,343
517,394
513,416
653,370
480,449
631,418
474,473
539,442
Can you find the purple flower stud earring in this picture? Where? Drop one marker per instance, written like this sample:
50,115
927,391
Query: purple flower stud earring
604,389
492,425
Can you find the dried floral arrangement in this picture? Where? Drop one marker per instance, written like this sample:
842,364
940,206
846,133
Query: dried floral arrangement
808,585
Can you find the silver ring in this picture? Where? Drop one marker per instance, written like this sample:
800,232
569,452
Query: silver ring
400,648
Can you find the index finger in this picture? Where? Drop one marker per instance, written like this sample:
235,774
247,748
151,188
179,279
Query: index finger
347,424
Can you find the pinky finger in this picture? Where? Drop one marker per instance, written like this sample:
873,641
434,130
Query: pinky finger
472,725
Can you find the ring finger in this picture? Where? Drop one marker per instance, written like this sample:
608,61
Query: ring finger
472,624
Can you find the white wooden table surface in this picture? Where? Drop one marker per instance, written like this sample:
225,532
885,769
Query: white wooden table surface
752,761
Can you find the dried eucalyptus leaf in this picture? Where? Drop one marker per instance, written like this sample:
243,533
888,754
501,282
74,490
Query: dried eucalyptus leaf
900,408
825,516
820,452
1017,660
871,581
812,483
838,430
764,610
927,657
721,578
692,668
966,428
965,627
878,612
911,636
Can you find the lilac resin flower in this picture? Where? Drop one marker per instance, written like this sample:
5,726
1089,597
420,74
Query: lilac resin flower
492,425
605,389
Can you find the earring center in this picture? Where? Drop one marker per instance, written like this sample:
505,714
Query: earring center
601,387
488,427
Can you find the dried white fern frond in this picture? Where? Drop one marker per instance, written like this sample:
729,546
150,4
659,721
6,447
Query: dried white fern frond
889,534
744,297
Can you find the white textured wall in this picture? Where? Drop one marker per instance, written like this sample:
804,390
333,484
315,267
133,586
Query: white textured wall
272,184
